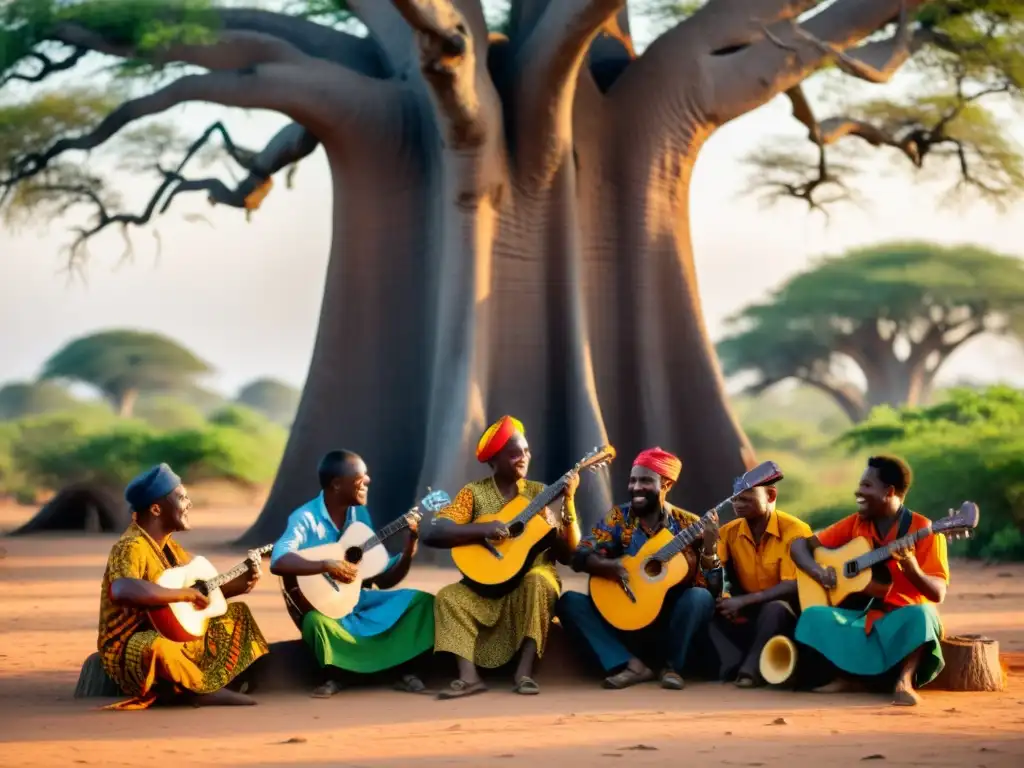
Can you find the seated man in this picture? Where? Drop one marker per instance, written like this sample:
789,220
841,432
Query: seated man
760,579
144,664
487,631
626,656
387,629
899,634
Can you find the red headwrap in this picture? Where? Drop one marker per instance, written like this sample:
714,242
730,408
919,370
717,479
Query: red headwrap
662,462
496,436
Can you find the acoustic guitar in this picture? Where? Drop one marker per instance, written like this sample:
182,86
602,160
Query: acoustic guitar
182,622
852,562
637,601
358,545
498,562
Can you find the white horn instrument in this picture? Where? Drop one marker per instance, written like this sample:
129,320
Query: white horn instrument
778,660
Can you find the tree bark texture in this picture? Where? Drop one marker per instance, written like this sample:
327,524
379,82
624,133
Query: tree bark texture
972,664
511,226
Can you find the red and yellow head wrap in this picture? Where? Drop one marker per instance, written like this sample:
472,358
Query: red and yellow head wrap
662,462
496,436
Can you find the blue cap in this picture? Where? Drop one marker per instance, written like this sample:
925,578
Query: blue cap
151,486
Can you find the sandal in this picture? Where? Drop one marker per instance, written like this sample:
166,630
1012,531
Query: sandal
459,688
672,680
410,684
326,690
526,686
628,678
745,681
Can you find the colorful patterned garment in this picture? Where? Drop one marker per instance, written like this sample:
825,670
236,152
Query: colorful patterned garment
138,659
489,631
386,628
621,533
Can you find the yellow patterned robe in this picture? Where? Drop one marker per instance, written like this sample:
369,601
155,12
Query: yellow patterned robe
488,631
139,660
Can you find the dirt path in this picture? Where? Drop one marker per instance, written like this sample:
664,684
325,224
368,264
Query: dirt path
48,603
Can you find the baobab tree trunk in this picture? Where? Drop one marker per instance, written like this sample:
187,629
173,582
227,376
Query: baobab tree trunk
511,222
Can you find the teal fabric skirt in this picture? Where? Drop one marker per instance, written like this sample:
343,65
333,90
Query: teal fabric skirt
839,636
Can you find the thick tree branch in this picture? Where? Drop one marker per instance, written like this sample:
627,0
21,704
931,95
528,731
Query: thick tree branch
225,88
448,61
391,32
47,67
790,51
288,146
549,64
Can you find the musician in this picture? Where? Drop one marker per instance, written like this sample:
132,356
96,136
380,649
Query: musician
487,630
899,635
626,656
145,665
760,599
389,628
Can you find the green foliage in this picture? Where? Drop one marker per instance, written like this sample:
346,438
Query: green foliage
123,361
970,447
166,413
61,448
31,398
275,399
906,288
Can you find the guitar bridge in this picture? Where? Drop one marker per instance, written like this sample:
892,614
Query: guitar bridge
850,569
332,582
493,550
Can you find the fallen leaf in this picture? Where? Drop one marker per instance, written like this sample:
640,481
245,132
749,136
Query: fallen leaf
951,710
509,754
642,748
728,733
779,721
1004,575
294,740
456,727
873,757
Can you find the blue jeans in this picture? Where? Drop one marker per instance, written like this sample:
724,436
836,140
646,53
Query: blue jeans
666,642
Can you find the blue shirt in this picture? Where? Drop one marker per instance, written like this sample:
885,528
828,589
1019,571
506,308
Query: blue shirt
310,526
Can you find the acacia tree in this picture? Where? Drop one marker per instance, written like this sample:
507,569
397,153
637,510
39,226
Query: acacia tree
511,211
123,364
895,311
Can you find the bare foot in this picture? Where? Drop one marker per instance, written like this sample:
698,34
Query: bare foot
839,685
326,690
224,698
905,696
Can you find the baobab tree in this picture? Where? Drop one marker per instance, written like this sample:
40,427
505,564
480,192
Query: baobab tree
511,212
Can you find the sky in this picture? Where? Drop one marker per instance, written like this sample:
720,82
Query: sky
246,296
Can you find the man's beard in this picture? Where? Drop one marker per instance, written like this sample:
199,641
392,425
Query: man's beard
651,502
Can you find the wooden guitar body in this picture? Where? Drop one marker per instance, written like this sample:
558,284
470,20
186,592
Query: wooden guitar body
327,595
649,581
498,562
811,593
182,622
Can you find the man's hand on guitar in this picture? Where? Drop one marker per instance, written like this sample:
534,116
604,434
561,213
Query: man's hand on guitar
496,531
824,576
905,557
194,596
710,536
572,482
341,570
614,570
255,571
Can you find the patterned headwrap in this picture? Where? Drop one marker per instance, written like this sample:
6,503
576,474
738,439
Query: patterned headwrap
496,436
660,461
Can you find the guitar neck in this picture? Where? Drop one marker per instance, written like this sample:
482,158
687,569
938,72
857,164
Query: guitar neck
682,540
541,500
221,579
386,532
883,553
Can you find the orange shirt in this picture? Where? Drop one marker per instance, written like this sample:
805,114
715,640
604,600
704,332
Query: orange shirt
929,551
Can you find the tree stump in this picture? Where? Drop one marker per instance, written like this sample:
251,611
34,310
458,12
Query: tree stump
93,681
972,664
85,507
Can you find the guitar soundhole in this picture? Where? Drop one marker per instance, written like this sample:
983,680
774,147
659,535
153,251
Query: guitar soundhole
353,555
653,568
201,587
516,530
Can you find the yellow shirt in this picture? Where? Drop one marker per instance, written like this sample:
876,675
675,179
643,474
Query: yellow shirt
758,567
